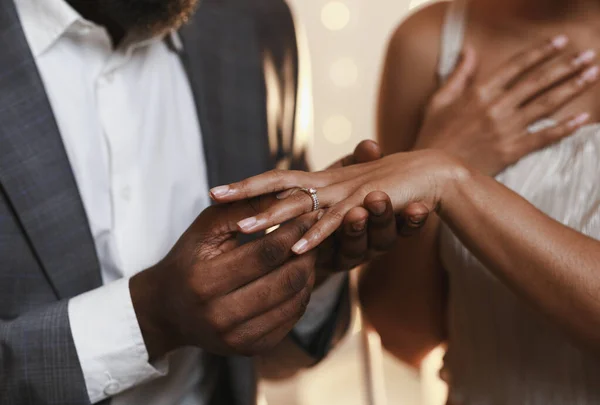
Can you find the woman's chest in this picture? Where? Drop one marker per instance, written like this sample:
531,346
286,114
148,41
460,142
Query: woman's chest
496,49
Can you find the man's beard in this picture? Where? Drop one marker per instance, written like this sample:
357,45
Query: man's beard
148,17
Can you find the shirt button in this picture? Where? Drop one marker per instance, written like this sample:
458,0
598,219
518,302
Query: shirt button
126,193
112,388
108,78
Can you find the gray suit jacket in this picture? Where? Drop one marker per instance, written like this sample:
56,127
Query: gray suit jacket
47,253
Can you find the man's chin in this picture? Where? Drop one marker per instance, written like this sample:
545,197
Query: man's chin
150,17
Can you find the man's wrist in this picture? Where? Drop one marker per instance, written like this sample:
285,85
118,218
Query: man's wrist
109,343
147,298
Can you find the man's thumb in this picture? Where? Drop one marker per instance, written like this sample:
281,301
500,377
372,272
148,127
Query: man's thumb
222,219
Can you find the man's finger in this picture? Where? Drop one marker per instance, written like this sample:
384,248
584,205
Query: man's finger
249,333
413,219
382,221
265,293
218,225
352,240
367,151
258,258
273,338
223,218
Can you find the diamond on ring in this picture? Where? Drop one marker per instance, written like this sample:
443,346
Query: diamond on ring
312,192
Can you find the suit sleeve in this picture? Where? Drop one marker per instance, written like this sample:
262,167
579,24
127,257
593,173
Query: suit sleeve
109,342
38,359
75,352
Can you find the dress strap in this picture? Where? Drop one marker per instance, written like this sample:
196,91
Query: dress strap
453,34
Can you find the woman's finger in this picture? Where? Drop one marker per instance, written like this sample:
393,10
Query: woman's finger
540,139
298,203
536,85
281,180
266,183
543,106
458,81
521,63
327,225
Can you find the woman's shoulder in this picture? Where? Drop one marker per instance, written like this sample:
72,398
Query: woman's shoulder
409,76
419,34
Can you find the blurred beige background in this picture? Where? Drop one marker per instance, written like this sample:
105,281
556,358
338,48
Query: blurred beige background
346,40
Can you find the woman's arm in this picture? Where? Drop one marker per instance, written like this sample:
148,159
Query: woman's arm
486,125
550,265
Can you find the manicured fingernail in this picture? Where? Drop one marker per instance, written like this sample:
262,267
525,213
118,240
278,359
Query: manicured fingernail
220,191
359,226
578,120
378,208
560,41
584,57
300,246
320,215
248,223
589,75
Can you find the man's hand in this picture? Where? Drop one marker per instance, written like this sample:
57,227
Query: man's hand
373,228
227,299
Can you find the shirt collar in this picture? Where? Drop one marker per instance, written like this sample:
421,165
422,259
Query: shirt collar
174,42
45,21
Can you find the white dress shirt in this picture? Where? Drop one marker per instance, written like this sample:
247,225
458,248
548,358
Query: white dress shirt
130,128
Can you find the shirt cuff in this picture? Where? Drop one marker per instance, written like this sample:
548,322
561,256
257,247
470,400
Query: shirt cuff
322,302
109,342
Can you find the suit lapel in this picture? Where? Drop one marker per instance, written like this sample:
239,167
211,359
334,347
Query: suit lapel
35,172
223,61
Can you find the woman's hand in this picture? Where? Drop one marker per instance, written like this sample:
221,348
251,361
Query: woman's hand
406,177
488,117
367,230
488,125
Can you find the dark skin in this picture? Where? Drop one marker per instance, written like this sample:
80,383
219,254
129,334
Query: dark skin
90,11
409,308
485,122
139,18
548,265
229,299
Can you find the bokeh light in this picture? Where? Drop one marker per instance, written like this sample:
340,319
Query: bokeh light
337,129
335,15
417,3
